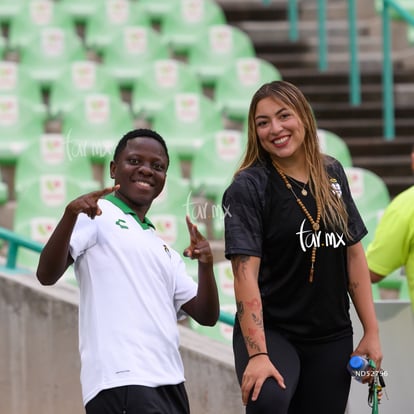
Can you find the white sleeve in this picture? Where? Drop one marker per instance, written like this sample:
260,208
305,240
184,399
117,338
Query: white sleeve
84,235
185,286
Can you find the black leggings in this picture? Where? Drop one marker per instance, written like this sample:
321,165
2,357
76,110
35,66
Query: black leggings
316,378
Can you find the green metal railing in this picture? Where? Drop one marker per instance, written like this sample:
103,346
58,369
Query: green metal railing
388,74
226,318
354,70
16,241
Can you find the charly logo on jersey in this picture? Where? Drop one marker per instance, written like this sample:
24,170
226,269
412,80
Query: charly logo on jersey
122,224
310,238
336,187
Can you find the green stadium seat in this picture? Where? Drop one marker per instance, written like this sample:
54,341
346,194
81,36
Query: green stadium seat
404,292
212,169
376,293
335,146
81,11
181,28
4,191
371,219
224,278
110,17
235,88
53,154
131,50
185,120
39,207
175,198
158,10
162,79
49,52
78,79
20,125
215,163
9,9
3,47
32,17
96,123
369,191
393,281
48,193
15,80
216,49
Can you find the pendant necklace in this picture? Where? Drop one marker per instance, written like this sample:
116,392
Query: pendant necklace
303,190
314,223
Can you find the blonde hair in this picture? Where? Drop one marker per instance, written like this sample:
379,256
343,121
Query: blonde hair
333,211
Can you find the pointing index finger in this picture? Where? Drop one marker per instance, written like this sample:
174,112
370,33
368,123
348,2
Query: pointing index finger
105,191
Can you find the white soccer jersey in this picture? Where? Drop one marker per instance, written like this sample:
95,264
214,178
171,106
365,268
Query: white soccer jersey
131,287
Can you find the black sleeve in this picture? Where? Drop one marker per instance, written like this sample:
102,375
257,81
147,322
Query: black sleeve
356,225
243,204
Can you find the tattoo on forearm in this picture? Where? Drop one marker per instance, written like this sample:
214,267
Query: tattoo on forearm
240,309
258,320
251,343
239,265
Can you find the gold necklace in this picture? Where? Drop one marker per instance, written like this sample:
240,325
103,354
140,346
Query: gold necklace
303,190
314,223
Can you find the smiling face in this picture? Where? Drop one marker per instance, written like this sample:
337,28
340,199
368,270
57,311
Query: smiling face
279,130
140,169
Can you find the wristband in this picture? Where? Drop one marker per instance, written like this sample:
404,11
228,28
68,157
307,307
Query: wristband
259,353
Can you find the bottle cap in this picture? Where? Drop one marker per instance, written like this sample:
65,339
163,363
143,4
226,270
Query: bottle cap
356,362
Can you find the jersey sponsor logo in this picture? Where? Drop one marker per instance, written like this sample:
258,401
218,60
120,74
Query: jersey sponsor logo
310,238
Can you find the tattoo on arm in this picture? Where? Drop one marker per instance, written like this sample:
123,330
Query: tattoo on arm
240,309
251,343
239,265
258,320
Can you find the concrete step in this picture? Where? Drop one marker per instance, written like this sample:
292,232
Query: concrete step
243,10
396,185
365,127
266,34
310,76
367,109
376,146
322,96
388,165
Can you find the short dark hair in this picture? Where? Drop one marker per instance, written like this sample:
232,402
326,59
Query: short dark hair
140,133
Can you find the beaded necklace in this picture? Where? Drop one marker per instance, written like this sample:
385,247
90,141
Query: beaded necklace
315,223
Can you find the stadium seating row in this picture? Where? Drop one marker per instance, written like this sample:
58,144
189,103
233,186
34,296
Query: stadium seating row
101,19
90,109
167,61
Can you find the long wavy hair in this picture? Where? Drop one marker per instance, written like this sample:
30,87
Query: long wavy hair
333,210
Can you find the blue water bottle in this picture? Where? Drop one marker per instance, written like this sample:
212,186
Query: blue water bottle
359,367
